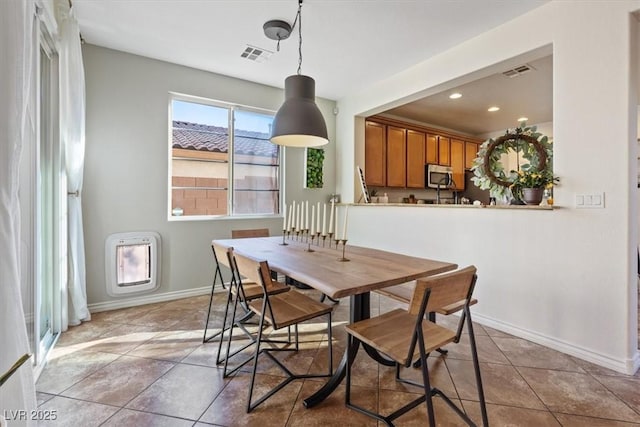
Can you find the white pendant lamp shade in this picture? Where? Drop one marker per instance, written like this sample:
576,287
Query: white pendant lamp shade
299,122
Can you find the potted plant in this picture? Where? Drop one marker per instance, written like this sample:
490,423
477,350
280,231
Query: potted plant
530,184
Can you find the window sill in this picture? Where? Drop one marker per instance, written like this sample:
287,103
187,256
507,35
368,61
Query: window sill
222,217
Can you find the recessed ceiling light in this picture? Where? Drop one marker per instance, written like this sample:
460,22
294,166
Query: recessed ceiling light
523,119
493,109
455,95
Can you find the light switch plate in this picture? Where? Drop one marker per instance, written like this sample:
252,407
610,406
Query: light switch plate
590,200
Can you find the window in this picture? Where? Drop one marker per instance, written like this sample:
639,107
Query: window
218,169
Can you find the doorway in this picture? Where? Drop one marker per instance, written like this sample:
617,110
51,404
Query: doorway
43,195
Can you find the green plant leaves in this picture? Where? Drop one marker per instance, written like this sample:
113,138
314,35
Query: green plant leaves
315,164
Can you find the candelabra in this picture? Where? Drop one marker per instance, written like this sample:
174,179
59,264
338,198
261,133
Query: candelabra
309,243
344,246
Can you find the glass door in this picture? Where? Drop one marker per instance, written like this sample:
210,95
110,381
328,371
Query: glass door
49,268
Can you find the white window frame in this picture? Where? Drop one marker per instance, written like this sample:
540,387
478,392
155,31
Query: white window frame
230,189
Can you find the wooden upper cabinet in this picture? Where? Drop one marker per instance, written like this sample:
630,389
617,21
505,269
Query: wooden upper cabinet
375,154
470,153
415,158
431,149
396,157
444,151
457,162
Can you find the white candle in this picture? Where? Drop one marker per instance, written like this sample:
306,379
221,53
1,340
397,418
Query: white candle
298,218
292,216
331,218
318,220
306,215
344,225
324,221
284,216
313,220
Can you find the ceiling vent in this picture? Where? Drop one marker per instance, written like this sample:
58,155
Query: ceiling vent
256,54
518,71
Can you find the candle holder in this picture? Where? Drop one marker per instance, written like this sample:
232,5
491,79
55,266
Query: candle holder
330,238
318,236
309,243
324,237
344,246
297,233
284,235
306,231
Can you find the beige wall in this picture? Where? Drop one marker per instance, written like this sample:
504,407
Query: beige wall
125,180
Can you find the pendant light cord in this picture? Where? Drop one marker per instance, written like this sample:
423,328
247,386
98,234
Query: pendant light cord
298,21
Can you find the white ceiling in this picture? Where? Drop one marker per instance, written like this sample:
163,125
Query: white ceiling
347,44
527,95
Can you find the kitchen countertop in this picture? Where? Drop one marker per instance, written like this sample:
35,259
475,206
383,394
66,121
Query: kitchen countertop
446,205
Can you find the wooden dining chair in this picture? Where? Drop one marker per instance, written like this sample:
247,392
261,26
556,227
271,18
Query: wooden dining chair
239,293
279,311
403,293
217,275
255,232
404,335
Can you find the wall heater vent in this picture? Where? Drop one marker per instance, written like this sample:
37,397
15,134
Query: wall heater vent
132,263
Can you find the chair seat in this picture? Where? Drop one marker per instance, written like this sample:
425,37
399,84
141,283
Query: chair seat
290,307
253,290
391,333
404,292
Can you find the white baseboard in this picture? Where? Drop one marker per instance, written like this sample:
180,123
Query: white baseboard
148,299
625,366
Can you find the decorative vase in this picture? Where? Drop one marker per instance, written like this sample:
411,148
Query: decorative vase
532,196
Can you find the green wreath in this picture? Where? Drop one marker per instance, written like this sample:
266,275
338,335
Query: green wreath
488,170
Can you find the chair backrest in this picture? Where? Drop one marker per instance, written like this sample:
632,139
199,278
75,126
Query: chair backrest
251,268
257,271
256,232
220,255
444,289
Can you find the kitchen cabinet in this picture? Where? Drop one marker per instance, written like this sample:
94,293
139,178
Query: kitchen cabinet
431,149
444,151
375,154
415,158
396,153
470,153
457,151
396,157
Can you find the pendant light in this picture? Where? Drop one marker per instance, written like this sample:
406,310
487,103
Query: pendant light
299,122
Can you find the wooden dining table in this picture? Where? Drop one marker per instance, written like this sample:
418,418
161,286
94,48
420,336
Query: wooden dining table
361,271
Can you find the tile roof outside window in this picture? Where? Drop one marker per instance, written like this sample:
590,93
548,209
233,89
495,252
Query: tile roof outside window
215,139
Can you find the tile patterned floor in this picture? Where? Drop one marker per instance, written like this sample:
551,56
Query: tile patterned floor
146,366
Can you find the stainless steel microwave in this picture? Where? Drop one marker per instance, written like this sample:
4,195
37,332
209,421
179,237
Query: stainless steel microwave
436,176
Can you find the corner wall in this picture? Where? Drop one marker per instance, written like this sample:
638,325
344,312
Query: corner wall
125,179
565,278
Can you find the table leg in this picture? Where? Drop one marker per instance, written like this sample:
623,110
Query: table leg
360,310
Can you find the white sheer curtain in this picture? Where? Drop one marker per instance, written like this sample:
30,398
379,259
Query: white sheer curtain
72,121
17,129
